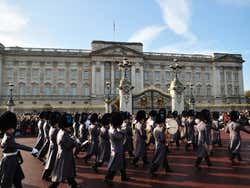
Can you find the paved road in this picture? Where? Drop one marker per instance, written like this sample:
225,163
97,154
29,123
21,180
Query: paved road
221,175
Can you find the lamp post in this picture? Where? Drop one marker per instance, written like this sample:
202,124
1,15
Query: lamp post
107,99
10,103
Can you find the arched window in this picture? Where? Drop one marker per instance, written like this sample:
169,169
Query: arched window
209,90
34,89
60,89
47,89
86,90
229,89
73,88
198,90
22,89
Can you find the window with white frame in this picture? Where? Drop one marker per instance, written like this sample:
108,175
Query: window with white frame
35,74
48,74
73,74
47,89
86,75
157,75
22,89
61,74
35,89
60,89
21,74
86,90
73,88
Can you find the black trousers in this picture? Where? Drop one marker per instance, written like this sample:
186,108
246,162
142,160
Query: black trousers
71,182
155,166
9,183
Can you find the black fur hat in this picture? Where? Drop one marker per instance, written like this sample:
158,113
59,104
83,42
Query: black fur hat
116,119
162,111
54,117
190,113
184,113
106,118
216,115
175,114
76,117
84,117
65,121
140,115
126,115
234,115
198,115
47,115
94,118
205,115
8,120
160,118
42,115
152,113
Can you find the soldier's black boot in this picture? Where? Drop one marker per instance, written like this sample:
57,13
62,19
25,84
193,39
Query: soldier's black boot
136,159
124,176
109,178
208,161
198,162
239,157
153,170
145,160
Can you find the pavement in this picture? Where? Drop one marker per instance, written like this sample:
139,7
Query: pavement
221,175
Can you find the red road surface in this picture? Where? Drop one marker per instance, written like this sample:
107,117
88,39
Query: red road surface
221,175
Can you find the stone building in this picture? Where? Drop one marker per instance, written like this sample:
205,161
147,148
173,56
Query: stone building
75,79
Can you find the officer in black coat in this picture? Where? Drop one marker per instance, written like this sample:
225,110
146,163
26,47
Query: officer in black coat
40,137
116,162
10,168
54,119
64,167
190,130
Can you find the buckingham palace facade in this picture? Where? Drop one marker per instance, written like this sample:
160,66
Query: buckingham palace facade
75,79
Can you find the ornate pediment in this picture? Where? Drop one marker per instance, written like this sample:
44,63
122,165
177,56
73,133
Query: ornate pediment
228,58
117,50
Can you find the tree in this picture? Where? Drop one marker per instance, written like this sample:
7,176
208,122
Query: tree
247,94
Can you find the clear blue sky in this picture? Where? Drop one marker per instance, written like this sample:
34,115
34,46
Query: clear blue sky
185,26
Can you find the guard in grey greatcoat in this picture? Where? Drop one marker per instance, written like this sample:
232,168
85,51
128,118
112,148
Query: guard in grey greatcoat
160,153
216,129
190,130
40,137
202,119
64,168
76,126
83,131
44,150
10,167
116,162
104,143
54,119
128,132
234,128
140,138
94,131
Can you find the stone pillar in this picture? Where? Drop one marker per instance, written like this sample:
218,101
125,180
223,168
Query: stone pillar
93,80
112,78
107,107
125,94
177,99
1,70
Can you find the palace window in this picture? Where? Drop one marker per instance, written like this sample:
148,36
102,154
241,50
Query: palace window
47,89
35,89
222,90
209,90
229,90
73,74
157,75
222,78
73,88
48,74
22,74
236,90
207,76
146,76
61,74
198,90
229,76
198,76
35,74
236,76
117,74
22,89
86,90
61,90
188,76
10,74
86,75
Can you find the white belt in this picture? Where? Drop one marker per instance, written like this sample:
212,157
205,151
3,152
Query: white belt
9,154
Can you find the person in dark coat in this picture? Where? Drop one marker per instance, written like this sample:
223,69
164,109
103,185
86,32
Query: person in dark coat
150,125
94,132
83,131
64,168
44,150
76,126
160,153
190,130
140,137
40,137
54,119
10,167
202,150
216,129
234,128
104,143
116,162
128,132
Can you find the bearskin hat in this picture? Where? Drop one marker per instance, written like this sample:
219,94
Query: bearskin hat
65,121
152,113
234,115
190,113
94,118
216,115
160,118
84,117
47,115
175,114
54,117
126,115
42,115
140,115
205,115
116,119
184,113
198,115
76,117
8,120
106,118
162,111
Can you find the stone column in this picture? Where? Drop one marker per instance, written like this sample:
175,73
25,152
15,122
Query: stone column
93,80
1,70
101,81
125,93
112,78
176,92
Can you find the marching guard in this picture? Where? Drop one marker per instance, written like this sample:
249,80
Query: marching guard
202,120
216,129
117,159
53,148
234,128
190,131
10,167
40,137
160,153
140,138
64,167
